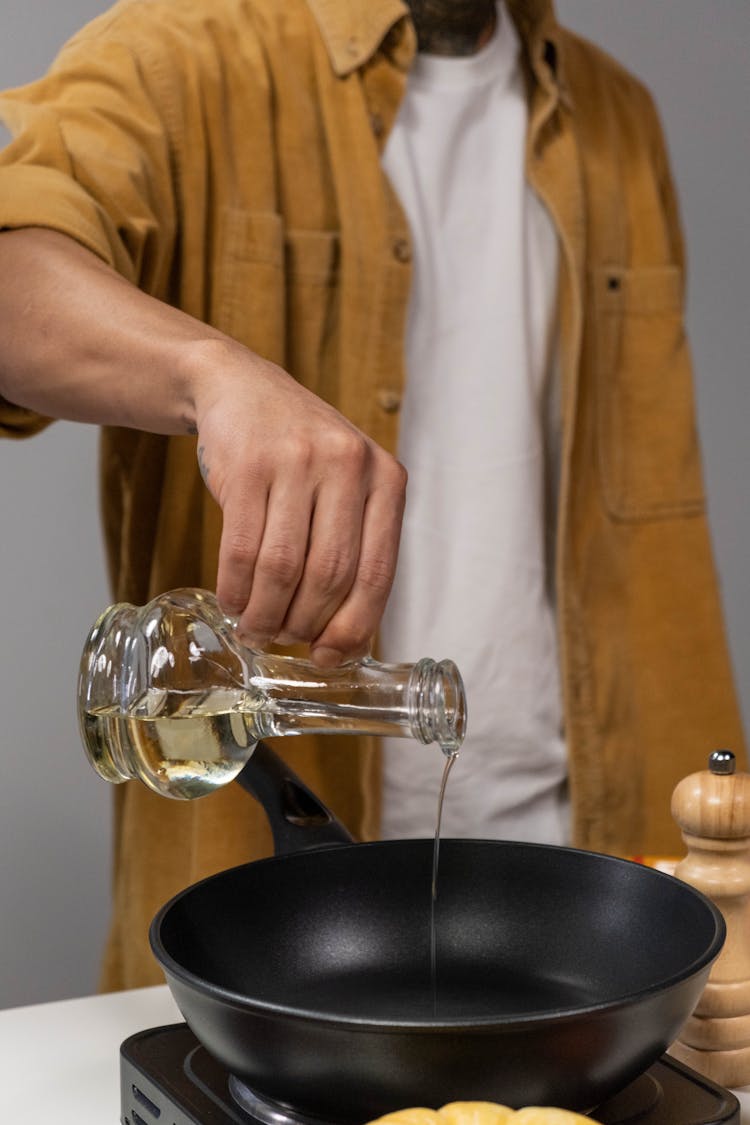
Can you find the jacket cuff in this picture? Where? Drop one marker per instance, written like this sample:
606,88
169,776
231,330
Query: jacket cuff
18,422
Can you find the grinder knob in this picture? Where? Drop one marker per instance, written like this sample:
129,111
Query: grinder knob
712,808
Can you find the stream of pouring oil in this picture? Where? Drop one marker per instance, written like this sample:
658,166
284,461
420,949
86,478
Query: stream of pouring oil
435,861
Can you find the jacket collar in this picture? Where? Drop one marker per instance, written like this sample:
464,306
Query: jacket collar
353,30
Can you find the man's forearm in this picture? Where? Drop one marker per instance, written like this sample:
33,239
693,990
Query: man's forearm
77,341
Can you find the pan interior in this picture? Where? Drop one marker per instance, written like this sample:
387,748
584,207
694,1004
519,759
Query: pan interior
522,931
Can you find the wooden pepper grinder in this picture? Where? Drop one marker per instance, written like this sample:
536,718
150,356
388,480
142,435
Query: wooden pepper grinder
712,808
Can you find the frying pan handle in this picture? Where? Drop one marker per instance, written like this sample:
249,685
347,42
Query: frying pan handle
298,820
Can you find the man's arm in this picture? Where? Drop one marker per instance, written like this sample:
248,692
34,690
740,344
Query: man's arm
311,506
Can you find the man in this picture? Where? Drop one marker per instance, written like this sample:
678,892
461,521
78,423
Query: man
214,214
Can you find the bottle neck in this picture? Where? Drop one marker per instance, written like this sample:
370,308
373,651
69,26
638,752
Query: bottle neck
424,701
438,704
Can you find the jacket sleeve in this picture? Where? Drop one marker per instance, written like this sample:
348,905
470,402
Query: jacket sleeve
91,157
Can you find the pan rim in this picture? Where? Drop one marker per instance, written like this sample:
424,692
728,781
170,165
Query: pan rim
480,1024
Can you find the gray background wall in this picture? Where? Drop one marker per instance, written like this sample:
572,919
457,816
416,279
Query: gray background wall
54,813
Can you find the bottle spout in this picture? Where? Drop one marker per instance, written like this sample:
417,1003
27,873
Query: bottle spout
437,704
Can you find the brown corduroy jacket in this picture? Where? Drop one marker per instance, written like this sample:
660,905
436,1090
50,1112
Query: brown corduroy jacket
225,156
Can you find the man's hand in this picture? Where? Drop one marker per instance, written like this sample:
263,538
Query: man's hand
312,508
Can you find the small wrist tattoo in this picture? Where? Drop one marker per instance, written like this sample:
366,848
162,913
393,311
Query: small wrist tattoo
203,467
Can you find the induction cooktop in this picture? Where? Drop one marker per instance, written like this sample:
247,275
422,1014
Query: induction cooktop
168,1078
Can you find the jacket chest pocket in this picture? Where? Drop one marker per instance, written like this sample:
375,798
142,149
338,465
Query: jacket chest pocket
275,290
247,299
312,307
646,436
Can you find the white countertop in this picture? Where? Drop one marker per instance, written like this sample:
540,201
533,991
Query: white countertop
60,1063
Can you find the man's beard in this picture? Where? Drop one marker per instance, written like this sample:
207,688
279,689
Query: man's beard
452,27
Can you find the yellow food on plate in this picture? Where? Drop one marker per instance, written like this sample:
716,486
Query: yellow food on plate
484,1113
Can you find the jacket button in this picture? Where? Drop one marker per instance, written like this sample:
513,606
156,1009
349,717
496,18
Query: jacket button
402,250
389,401
376,124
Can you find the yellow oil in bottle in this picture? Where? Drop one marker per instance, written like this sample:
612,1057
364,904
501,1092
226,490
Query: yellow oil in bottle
182,745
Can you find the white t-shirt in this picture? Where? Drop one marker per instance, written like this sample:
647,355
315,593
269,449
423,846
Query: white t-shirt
474,573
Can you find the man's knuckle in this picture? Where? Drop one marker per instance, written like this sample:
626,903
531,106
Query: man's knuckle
240,549
376,574
396,475
281,562
391,485
333,571
298,452
349,450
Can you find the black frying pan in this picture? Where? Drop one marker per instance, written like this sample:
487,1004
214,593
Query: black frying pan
561,974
